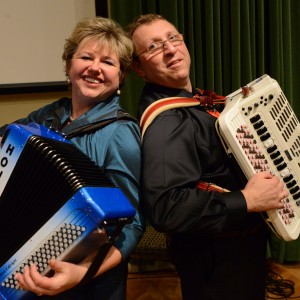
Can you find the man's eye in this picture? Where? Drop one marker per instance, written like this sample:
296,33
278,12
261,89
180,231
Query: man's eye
173,37
154,46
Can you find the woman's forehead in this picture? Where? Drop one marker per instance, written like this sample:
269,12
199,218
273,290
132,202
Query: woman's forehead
96,45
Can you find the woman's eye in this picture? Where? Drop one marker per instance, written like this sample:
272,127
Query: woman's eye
85,58
108,62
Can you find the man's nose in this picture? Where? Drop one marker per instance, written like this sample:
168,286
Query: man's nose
169,47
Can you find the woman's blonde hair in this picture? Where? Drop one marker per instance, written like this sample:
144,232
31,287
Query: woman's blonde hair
106,31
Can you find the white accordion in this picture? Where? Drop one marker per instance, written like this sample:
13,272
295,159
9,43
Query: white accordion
259,129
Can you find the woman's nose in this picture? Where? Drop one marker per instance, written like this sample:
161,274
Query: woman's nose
94,67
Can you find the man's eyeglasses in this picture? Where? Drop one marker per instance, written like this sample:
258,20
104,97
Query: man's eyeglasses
156,47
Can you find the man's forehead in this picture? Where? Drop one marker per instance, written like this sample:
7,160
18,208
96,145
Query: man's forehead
153,30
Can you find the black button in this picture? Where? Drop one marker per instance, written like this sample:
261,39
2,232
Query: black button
255,119
265,137
278,161
296,197
272,149
275,155
258,124
294,189
281,167
288,178
262,130
291,184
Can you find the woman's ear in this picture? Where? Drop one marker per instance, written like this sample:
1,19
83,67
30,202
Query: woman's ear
136,66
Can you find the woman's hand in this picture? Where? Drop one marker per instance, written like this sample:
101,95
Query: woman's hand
66,276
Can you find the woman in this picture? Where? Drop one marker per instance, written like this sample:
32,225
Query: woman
97,57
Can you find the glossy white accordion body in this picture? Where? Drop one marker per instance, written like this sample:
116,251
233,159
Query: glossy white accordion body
260,130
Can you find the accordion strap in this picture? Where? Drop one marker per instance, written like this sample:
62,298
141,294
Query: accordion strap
204,98
92,127
162,105
102,251
208,187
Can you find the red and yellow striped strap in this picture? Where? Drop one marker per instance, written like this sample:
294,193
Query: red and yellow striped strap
208,187
206,99
162,105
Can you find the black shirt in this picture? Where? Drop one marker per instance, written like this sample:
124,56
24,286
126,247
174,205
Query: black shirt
180,148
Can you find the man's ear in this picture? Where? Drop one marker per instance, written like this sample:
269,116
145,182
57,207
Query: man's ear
136,66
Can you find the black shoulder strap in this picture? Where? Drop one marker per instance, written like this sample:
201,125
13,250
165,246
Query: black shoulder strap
103,251
121,115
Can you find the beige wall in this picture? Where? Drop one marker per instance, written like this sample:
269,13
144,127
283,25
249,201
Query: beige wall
35,32
14,107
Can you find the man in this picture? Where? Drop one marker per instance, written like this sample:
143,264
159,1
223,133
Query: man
217,241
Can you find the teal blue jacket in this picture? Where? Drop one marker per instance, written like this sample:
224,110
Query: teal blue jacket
114,148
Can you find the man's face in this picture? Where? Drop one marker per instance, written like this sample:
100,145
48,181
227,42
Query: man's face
168,67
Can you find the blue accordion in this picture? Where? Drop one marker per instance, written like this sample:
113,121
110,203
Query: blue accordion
54,203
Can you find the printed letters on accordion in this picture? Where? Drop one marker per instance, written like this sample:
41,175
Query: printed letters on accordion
54,203
261,132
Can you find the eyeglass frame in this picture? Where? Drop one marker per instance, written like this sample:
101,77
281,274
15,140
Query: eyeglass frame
162,45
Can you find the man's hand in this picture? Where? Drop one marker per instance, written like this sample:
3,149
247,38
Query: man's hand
264,192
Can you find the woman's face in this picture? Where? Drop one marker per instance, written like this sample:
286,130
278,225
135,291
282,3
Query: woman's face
94,72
